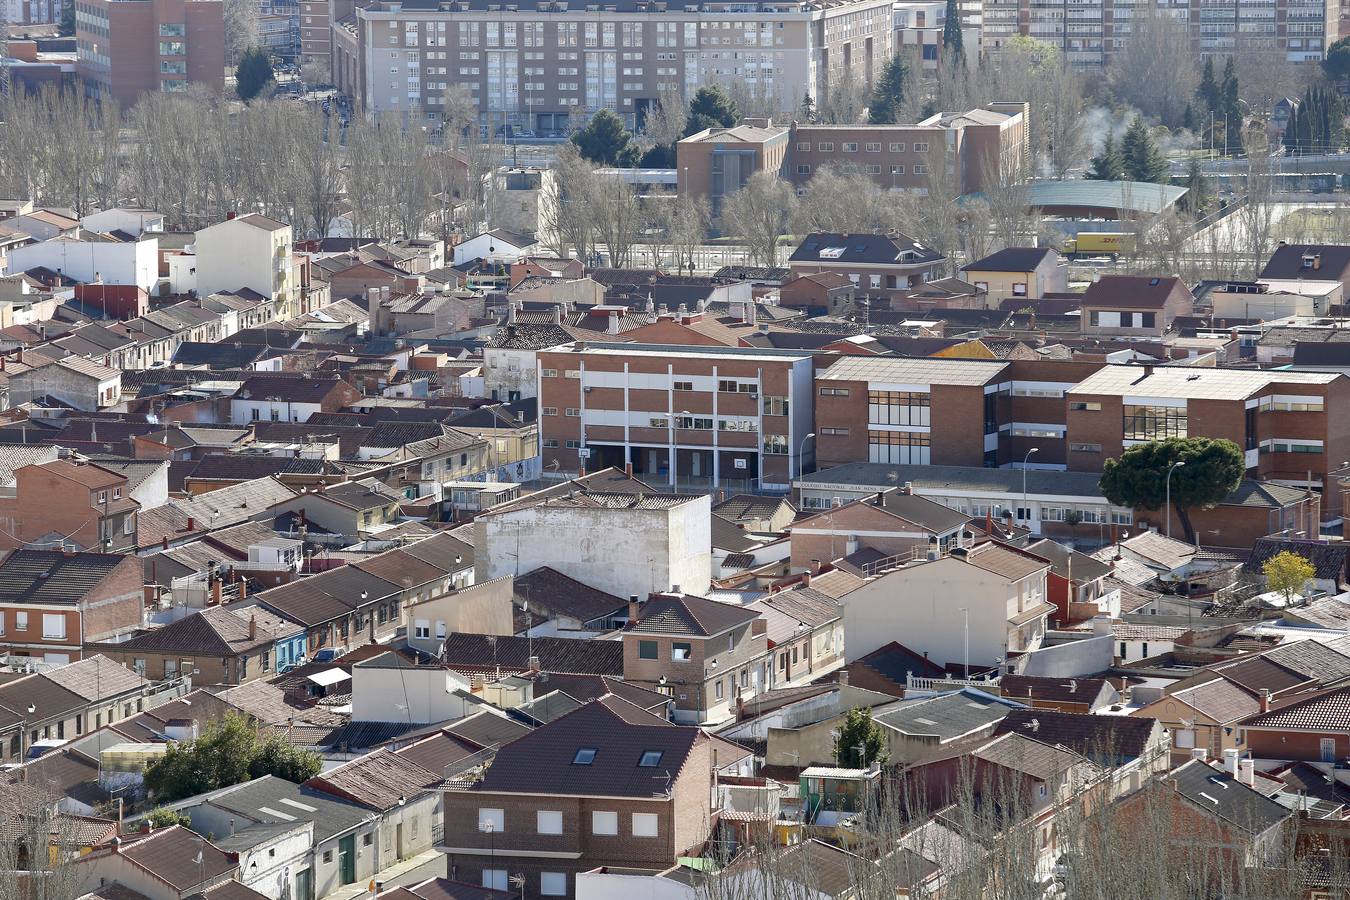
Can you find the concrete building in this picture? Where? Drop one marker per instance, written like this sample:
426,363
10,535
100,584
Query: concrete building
90,256
251,252
666,535
75,381
1018,272
974,146
534,68
990,598
1297,30
700,415
716,162
127,48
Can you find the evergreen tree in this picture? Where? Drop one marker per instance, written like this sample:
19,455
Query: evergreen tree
1188,117
1107,165
808,111
606,142
253,74
1231,108
1140,156
1208,92
711,108
953,41
1198,197
889,94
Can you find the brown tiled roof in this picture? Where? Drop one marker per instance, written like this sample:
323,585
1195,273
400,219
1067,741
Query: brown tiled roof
1020,753
1323,711
1256,672
1130,291
229,890
1059,690
437,751
446,889
399,567
1004,560
551,591
379,780
1096,737
545,760
1220,699
211,632
483,654
170,854
836,583
1311,658
688,615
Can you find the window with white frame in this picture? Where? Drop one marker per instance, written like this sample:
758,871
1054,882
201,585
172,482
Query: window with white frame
553,884
422,628
604,822
644,825
494,879
53,626
490,819
549,821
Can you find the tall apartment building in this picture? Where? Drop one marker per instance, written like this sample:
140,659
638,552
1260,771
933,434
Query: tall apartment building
1088,31
713,416
534,65
126,48
317,18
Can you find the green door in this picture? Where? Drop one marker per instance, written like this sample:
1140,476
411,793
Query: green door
347,858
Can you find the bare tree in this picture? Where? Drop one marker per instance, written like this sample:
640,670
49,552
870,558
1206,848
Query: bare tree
839,202
845,101
666,119
618,217
688,229
241,27
568,224
759,214
319,166
37,846
1155,70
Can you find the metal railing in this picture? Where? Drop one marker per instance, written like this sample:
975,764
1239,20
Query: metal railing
948,683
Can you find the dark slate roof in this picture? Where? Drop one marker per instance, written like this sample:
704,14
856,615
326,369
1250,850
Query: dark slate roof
749,507
1058,690
381,780
543,761
1068,563
1328,560
688,615
319,598
293,390
262,798
727,535
591,687
50,699
551,591
1010,259
1321,354
52,576
895,662
482,653
223,355
751,273
1286,263
1097,737
863,248
1223,796
487,729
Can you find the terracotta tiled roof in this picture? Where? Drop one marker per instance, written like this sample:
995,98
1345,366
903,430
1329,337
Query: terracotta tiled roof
1324,711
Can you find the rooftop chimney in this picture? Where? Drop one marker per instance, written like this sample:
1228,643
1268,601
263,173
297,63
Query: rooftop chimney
633,605
843,678
1265,699
815,567
533,664
1247,772
1230,761
557,314
252,628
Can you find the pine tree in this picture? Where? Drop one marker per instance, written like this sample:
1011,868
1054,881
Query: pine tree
1141,159
1107,165
952,40
808,112
889,93
1198,196
1188,117
1208,92
1231,108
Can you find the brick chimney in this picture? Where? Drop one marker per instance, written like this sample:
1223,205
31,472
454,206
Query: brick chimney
1265,699
633,607
252,628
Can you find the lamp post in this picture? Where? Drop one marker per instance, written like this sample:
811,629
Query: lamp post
801,455
1175,465
1025,508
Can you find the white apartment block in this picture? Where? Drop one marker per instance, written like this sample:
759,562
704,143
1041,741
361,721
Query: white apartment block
535,65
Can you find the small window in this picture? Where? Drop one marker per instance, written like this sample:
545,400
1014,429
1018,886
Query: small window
367,839
647,650
328,856
491,820
604,822
680,651
650,758
585,756
645,825
549,821
553,884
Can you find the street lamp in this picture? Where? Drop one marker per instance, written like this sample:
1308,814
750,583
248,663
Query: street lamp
801,455
1175,465
1025,509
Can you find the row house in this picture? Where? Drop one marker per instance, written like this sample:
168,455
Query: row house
53,602
683,415
608,784
68,503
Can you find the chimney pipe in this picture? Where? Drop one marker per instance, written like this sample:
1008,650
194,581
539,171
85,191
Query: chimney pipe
533,663
252,628
1265,700
633,606
628,469
1230,761
815,567
1247,772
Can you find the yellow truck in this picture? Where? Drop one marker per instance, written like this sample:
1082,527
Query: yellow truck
1100,243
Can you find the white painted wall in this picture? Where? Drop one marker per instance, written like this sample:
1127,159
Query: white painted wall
920,607
270,868
132,263
621,551
421,695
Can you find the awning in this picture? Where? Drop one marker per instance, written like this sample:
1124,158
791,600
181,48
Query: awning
329,677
